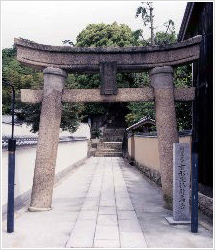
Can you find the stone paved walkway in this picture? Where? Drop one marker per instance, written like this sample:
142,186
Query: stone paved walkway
104,203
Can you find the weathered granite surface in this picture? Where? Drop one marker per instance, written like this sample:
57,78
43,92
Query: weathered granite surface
162,82
205,204
49,128
87,60
181,181
108,78
93,95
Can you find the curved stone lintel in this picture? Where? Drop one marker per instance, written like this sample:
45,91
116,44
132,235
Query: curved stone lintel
69,49
129,59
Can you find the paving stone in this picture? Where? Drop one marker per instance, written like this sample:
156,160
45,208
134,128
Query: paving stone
106,244
126,215
131,234
108,195
82,234
107,220
88,215
107,232
90,203
123,194
107,210
89,207
132,240
108,203
124,204
108,191
89,200
78,219
67,208
129,226
95,194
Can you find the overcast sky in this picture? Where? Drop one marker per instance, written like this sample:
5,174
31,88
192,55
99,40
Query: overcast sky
50,22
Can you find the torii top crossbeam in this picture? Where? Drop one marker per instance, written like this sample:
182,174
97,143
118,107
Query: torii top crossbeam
87,60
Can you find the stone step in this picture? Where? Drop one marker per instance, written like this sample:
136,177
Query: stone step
110,154
107,150
112,138
111,145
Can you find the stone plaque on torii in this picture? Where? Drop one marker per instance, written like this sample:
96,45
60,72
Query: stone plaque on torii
57,61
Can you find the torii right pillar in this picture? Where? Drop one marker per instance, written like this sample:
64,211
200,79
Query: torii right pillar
162,82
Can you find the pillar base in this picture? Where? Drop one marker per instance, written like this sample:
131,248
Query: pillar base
177,222
39,209
167,202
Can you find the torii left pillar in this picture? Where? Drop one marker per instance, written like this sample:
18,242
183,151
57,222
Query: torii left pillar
49,128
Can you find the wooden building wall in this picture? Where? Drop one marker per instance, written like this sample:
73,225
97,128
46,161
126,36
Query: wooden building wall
200,22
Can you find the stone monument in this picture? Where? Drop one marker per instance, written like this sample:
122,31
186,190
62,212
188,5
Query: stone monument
181,183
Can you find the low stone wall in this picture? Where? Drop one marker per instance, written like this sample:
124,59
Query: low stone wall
70,154
206,205
152,174
143,153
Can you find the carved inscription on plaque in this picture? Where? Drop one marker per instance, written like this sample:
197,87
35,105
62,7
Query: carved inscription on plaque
108,78
181,181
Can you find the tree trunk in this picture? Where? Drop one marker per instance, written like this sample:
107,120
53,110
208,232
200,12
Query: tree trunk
152,27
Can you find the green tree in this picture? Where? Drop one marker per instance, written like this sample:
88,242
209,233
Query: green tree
140,110
182,78
167,37
170,26
19,76
103,35
146,13
22,77
91,36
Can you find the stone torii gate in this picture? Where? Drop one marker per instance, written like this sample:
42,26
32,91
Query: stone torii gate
57,61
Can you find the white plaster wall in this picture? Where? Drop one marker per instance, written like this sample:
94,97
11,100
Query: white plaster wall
24,130
83,130
19,130
68,154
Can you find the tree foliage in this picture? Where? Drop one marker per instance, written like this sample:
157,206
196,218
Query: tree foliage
140,110
24,78
182,78
91,36
94,35
103,35
19,76
146,13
